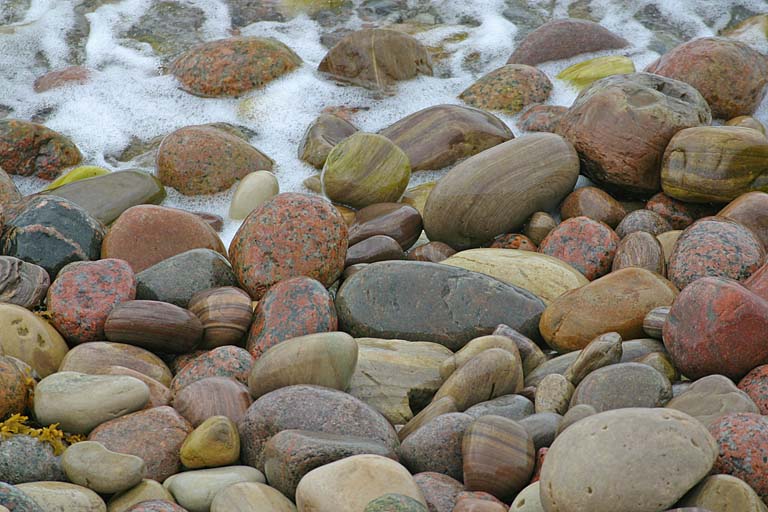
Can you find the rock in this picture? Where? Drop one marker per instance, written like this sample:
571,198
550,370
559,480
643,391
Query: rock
24,458
376,59
528,500
395,503
13,389
373,249
323,359
668,241
508,89
247,496
755,385
212,396
541,118
542,427
322,136
750,210
513,407
436,446
545,276
292,308
147,490
539,226
478,502
574,414
63,497
30,149
9,193
714,163
155,435
225,313
425,296
348,485
253,190
598,446
61,78
321,410
439,136
146,234
553,394
91,465
16,500
95,357
177,279
440,491
621,125
490,374
417,196
215,442
107,197
640,249
548,42
288,236
154,325
83,295
660,362
80,402
678,214
746,122
195,490
77,174
396,377
642,221
226,361
445,405
205,160
617,302
395,220
713,327
233,66
51,232
585,244
23,284
594,203
169,27
30,338
720,492
715,247
623,385
514,241
156,506
159,394
433,252
291,454
709,398
474,347
654,322
498,456
758,282
729,74
741,439
582,74
602,351
364,169
488,183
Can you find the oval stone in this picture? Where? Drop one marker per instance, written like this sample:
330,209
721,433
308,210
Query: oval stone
720,492
750,210
24,284
97,356
585,244
436,446
643,220
640,249
247,496
594,203
195,490
623,385
154,325
91,465
288,236
30,149
742,439
508,89
31,339
321,137
24,458
215,442
494,192
63,497
252,191
373,249
225,313
210,397
399,221
226,361
421,301
711,397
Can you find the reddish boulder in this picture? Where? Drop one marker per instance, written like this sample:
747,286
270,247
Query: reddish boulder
29,148
593,203
680,215
750,210
62,77
758,282
742,439
228,361
755,384
587,245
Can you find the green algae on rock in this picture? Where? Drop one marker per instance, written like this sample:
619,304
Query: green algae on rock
588,71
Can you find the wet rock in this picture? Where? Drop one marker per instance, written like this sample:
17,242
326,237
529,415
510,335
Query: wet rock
169,27
508,89
322,136
30,149
373,249
62,77
541,118
594,203
585,244
584,73
395,220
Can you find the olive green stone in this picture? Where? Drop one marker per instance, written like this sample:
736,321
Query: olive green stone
588,71
417,196
215,442
79,173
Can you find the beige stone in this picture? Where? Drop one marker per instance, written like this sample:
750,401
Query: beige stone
553,394
81,402
544,276
473,348
195,490
391,374
63,497
604,350
724,493
711,397
528,500
253,190
348,485
215,442
249,497
146,490
90,464
28,337
667,241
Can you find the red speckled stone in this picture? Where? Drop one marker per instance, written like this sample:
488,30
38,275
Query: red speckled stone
28,148
514,241
541,118
751,210
717,326
155,435
294,307
714,246
758,282
440,491
743,442
226,361
680,215
156,506
755,384
147,234
61,77
13,389
84,293
585,244
230,67
288,236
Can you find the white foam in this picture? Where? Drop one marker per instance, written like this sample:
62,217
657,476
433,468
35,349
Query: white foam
128,98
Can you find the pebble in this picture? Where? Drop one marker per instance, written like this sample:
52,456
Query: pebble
440,491
602,351
513,407
226,314
574,414
587,245
226,361
23,284
248,496
553,394
146,490
741,440
63,497
24,459
253,190
154,325
32,339
436,446
542,427
433,252
539,226
475,347
445,405
710,397
643,221
508,89
321,137
212,396
623,385
594,203
215,442
373,249
529,351
91,465
97,356
401,222
195,490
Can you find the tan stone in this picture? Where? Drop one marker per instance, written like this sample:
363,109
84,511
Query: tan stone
250,496
348,485
473,348
528,500
667,241
215,442
544,276
63,497
604,350
553,394
253,190
144,491
711,397
90,464
195,490
95,356
724,493
28,337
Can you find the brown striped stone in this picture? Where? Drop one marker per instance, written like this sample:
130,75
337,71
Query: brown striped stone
399,221
750,210
212,396
594,203
97,356
225,313
156,326
640,249
321,137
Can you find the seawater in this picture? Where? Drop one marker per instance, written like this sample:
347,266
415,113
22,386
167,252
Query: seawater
129,97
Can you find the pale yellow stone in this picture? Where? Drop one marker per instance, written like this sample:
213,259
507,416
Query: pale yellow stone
667,241
195,490
215,442
474,347
144,491
30,338
417,196
528,500
349,484
253,190
250,497
63,497
544,276
724,493
90,464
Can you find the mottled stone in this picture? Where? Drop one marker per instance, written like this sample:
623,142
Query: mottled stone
24,458
541,118
212,396
594,203
93,466
587,245
226,361
63,497
508,89
514,241
13,389
169,27
32,339
758,282
436,446
677,213
742,439
553,394
32,149
440,491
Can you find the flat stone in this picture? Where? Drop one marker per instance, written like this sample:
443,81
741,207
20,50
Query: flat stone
711,397
63,497
251,496
195,490
91,465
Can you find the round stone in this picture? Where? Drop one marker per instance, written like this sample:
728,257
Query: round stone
212,396
587,245
742,439
750,210
436,446
30,338
623,385
640,249
215,442
226,361
508,89
13,389
253,190
32,149
225,313
91,465
321,137
395,503
643,220
195,490
251,496
594,203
